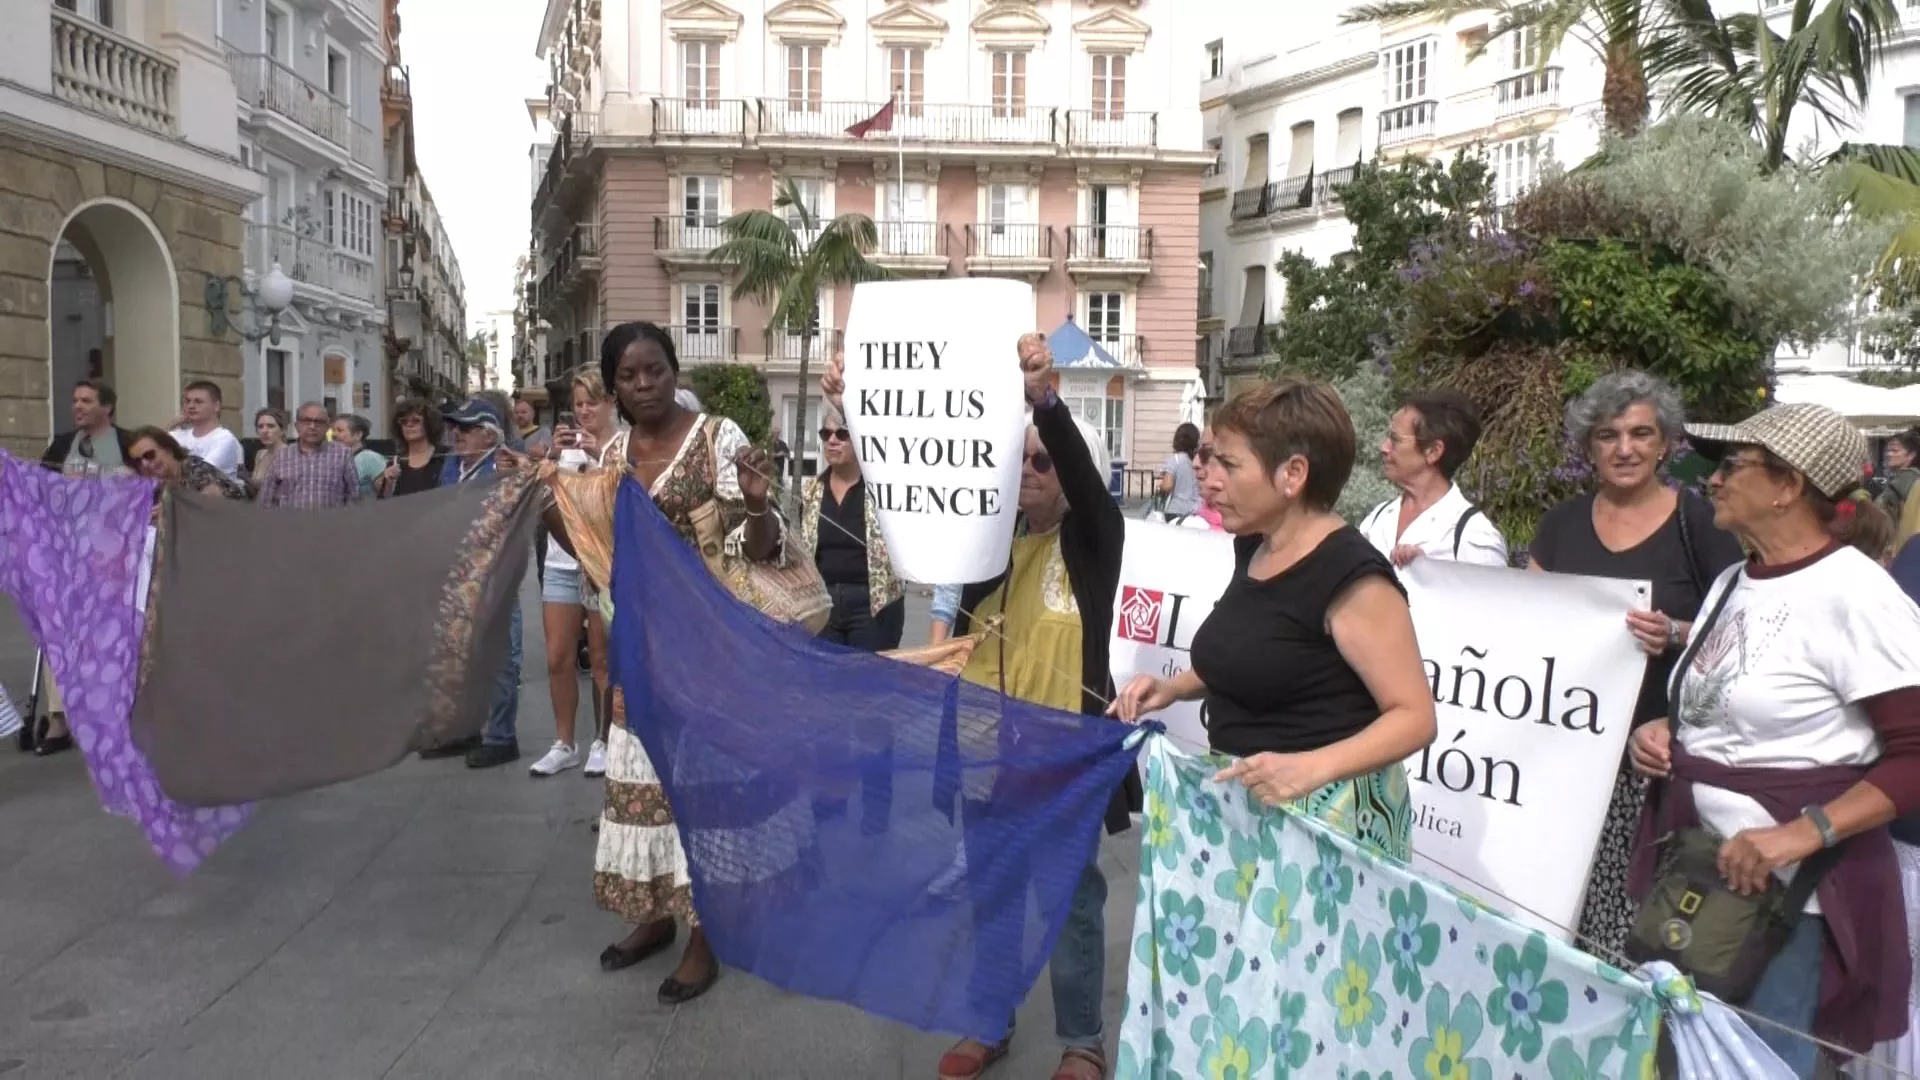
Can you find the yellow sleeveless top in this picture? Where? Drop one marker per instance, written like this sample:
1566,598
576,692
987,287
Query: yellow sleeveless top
1042,628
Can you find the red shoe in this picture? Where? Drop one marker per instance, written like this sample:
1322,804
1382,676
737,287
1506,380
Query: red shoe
1081,1063
970,1058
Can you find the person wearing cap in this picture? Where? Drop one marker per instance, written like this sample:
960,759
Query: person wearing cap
479,440
1796,728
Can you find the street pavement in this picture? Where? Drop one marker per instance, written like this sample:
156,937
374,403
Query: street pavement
431,921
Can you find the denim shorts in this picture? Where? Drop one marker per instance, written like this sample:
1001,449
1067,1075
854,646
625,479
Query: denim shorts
561,586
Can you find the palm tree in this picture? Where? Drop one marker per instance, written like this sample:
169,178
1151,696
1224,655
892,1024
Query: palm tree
1740,68
784,267
1618,31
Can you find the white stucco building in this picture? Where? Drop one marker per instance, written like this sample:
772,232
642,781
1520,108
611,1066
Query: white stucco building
121,189
1293,99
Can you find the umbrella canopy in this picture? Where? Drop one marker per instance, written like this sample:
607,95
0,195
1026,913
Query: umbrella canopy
1072,348
1867,406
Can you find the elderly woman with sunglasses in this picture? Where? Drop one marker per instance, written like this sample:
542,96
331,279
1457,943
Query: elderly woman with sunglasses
839,528
157,455
1796,729
1056,602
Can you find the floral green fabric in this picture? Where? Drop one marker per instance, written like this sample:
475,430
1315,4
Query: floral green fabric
1268,944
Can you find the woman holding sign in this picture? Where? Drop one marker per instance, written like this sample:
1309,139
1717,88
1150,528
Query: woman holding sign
1308,663
1057,603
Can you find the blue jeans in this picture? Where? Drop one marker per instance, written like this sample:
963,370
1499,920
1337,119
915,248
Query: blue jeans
1788,993
1078,966
506,690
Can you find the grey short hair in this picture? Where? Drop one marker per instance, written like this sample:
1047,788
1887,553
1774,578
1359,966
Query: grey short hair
1615,393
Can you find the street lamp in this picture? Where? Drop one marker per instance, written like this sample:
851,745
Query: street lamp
271,296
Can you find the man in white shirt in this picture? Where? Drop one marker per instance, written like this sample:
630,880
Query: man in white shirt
1430,437
199,431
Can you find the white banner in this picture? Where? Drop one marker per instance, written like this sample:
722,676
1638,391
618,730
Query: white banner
1169,580
1534,680
937,407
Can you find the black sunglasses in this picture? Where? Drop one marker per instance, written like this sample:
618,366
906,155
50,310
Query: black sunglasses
1042,461
832,434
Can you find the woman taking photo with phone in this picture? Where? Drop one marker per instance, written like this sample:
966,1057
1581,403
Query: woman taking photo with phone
582,440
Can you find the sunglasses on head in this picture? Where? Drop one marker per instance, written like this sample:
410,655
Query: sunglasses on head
1042,461
834,434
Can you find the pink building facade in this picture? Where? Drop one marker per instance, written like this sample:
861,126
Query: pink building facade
1054,141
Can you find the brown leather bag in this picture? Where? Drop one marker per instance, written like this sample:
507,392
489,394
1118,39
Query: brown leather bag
794,593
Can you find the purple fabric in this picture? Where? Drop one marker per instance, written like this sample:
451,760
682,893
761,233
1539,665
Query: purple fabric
1867,970
70,557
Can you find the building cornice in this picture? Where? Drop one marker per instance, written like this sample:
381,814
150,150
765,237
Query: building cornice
54,123
1269,91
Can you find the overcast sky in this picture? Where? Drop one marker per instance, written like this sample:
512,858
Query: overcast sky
473,68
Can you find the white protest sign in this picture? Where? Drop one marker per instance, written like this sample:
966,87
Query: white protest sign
1534,679
937,407
1169,580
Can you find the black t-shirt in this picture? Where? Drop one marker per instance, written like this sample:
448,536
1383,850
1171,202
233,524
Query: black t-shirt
841,552
1567,544
412,481
1275,679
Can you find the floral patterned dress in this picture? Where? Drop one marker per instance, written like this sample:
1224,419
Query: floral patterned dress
640,868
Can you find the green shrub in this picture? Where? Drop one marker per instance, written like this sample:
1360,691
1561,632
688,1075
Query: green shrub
737,392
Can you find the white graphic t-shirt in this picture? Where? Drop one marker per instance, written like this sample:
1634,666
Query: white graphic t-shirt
218,448
1778,680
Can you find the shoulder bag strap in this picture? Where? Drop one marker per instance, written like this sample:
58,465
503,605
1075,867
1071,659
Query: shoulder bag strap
1701,628
1806,879
1374,518
1701,582
1460,526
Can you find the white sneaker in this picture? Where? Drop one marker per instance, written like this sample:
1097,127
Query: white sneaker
559,759
597,759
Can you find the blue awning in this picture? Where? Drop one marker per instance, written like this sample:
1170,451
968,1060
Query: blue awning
1072,348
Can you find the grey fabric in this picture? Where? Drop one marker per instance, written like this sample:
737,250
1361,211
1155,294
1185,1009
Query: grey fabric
286,652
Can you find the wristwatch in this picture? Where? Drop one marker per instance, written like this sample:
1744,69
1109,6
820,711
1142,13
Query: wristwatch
1673,633
1818,815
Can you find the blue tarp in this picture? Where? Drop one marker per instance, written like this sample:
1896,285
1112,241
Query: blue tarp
1072,348
857,828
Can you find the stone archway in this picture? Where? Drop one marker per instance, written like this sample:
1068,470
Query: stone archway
139,295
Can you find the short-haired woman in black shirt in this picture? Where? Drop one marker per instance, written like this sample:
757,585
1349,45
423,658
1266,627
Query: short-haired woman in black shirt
1308,663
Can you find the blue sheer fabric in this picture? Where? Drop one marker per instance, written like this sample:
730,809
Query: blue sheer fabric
857,828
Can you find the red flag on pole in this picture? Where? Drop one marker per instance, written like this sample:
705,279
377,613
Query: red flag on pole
880,121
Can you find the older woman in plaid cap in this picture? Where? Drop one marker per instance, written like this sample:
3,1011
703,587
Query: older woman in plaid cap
1795,728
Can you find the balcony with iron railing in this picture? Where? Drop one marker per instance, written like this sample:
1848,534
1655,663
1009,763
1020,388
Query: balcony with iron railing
785,348
708,343
1009,240
571,143
104,72
806,120
1291,194
310,261
1246,341
265,83
1109,244
1331,181
1530,91
1129,349
1109,129
1250,203
686,234
693,118
910,239
1409,122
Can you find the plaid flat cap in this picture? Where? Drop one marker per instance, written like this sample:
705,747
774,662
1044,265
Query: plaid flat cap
1828,450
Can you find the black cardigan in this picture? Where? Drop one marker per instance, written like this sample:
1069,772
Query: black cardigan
1092,536
56,456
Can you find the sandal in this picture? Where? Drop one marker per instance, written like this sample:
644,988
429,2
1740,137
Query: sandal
1082,1063
970,1058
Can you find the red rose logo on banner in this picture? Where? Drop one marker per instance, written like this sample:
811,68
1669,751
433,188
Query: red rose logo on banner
1140,613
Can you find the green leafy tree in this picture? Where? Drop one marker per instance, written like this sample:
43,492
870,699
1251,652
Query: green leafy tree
784,268
1338,314
737,392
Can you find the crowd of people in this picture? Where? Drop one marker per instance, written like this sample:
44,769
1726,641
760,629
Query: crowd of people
1779,711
